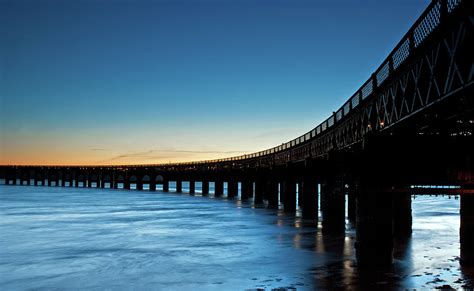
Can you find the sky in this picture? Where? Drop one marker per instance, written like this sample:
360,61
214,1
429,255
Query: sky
144,82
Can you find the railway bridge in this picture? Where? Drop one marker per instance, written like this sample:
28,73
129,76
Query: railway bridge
410,124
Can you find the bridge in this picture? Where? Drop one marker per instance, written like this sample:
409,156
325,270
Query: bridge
411,123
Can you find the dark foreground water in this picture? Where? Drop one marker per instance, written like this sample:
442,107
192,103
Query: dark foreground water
66,238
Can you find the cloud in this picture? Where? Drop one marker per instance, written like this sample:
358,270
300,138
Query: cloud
162,154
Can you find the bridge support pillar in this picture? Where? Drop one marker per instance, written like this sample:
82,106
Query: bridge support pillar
126,184
179,186
466,231
259,191
139,185
246,189
205,188
402,218
232,188
289,195
166,186
152,186
271,192
333,205
192,187
374,229
308,195
218,188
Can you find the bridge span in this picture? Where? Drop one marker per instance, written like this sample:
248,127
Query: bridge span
411,123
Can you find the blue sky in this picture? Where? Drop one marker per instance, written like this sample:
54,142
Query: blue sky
90,82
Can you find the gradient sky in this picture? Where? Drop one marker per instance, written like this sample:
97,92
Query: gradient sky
122,82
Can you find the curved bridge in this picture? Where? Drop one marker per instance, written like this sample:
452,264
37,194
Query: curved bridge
411,123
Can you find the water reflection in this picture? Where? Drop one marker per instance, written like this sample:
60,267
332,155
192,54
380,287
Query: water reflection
87,238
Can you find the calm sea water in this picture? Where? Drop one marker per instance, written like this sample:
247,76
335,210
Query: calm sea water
72,238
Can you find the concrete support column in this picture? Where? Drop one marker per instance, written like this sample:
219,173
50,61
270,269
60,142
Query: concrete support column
76,183
259,191
102,183
192,187
271,192
49,181
218,188
7,180
374,229
89,183
246,190
63,182
179,186
139,185
402,218
166,186
308,196
99,183
466,231
232,188
289,195
205,188
152,186
333,205
126,183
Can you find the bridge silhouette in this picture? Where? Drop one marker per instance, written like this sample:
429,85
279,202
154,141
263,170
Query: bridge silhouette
411,123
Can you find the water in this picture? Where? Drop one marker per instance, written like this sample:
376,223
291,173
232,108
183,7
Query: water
72,238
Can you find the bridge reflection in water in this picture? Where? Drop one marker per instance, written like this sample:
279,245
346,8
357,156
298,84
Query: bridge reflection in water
410,123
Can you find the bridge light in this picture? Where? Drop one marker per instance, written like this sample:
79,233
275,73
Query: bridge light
382,124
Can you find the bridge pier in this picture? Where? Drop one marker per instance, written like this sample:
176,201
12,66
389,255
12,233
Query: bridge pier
402,216
152,185
126,184
205,188
232,188
466,231
308,195
192,187
289,195
179,186
139,184
218,188
374,229
246,190
259,191
166,186
271,192
333,205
